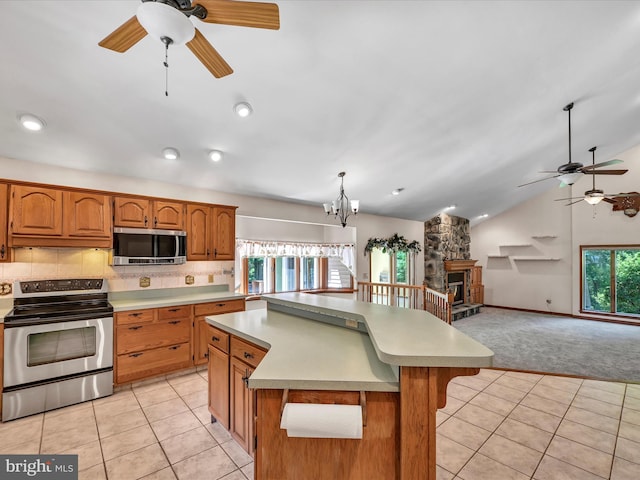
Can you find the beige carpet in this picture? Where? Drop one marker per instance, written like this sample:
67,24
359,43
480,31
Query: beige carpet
552,344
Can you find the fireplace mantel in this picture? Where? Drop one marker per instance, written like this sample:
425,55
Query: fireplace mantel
458,265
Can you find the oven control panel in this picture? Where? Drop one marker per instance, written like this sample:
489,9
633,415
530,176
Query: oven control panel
61,285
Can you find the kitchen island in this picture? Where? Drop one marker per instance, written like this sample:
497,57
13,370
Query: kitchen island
393,363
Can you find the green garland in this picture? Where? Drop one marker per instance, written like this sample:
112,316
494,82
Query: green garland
395,243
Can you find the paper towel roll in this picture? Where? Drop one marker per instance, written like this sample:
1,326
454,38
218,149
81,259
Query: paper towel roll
313,420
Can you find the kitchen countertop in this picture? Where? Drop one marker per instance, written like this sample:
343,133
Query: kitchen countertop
308,354
166,297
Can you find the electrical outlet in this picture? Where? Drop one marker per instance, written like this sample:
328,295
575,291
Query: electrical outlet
145,282
189,279
211,278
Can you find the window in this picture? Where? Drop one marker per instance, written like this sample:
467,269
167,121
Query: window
611,280
391,267
269,267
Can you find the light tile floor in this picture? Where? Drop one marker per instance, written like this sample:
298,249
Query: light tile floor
496,426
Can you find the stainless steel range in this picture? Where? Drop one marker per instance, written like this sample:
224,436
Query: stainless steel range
58,346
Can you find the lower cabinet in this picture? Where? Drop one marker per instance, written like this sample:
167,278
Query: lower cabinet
231,401
200,325
151,342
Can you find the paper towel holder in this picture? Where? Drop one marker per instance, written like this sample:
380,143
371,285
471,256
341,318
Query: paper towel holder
363,404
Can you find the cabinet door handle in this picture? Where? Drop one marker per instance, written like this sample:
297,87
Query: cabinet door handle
146,220
174,322
215,339
136,327
135,355
175,347
220,304
245,379
2,251
248,355
175,309
206,355
135,314
155,221
215,252
208,252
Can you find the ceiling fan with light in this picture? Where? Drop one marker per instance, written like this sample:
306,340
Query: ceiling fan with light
570,172
594,195
168,20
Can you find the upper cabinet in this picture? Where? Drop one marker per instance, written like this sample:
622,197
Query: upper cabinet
49,217
198,232
211,232
87,215
148,213
35,211
224,233
4,205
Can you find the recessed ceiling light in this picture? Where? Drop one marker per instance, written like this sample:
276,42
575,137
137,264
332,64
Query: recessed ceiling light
397,191
31,122
484,215
215,155
450,207
171,153
243,109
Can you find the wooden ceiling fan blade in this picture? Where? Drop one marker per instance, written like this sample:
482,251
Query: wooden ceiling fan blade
125,36
606,172
568,198
615,161
579,200
608,200
209,56
242,14
539,180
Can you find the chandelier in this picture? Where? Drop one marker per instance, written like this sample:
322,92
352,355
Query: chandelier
341,208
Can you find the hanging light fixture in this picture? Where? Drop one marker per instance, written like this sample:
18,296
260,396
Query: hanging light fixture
341,208
593,196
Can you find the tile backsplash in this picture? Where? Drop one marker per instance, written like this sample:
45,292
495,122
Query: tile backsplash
50,263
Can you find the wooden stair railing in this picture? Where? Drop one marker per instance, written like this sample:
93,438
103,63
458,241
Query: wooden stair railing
417,297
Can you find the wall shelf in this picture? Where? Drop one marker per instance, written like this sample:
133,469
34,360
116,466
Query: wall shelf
543,236
516,245
497,256
536,259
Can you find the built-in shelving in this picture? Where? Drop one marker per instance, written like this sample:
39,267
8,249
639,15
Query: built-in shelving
497,256
536,259
519,245
543,236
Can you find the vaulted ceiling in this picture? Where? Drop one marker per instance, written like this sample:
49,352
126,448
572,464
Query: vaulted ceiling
455,102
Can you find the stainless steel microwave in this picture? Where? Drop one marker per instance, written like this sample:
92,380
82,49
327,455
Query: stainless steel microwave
142,246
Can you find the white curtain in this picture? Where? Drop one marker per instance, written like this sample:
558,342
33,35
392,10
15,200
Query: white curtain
265,248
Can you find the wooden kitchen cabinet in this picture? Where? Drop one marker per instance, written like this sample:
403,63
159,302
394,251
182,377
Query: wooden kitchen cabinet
153,341
224,233
231,402
201,327
4,207
87,215
476,289
198,232
218,375
48,217
35,211
242,400
211,232
148,213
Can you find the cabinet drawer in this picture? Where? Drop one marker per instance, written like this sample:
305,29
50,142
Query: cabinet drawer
134,366
135,316
248,353
180,311
142,336
223,306
218,338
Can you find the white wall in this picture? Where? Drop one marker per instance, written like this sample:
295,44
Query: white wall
365,226
529,284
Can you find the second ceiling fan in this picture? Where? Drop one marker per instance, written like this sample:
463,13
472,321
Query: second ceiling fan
570,172
168,20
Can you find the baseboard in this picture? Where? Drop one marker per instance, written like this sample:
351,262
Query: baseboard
569,315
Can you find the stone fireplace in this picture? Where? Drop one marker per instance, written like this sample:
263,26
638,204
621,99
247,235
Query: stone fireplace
446,237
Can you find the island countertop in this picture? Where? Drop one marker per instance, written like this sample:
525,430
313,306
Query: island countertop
305,353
